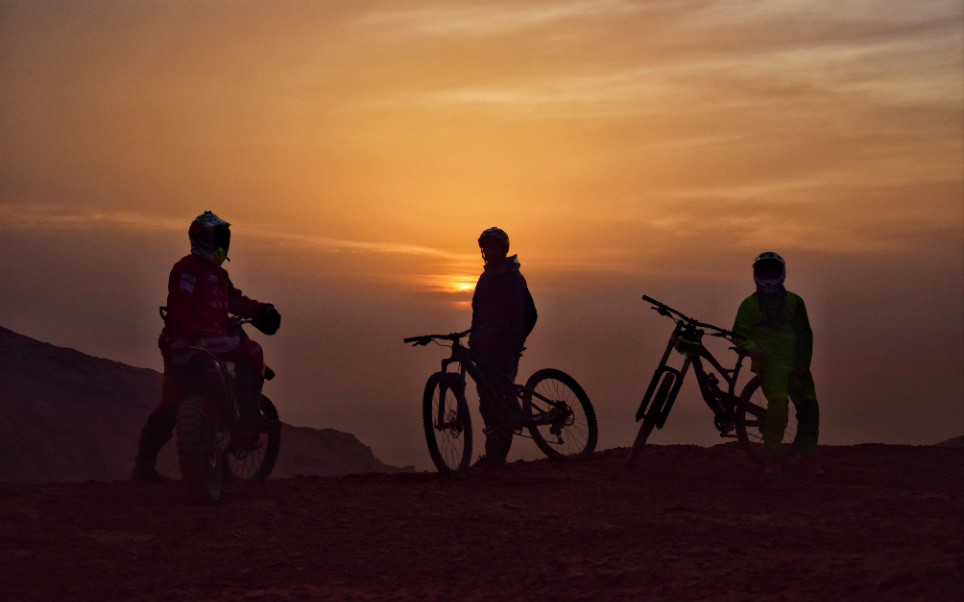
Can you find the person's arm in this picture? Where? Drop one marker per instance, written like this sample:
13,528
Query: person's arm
238,303
804,335
742,326
183,288
521,314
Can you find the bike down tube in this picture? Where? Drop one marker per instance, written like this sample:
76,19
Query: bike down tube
702,377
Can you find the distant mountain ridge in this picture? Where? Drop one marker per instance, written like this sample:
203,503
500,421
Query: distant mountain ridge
68,416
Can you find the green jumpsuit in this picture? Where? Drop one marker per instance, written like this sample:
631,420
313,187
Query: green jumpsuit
777,325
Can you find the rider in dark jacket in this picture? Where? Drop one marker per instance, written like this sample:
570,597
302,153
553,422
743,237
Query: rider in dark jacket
200,301
503,315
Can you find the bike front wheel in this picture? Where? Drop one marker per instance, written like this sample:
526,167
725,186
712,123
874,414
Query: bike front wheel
750,417
250,462
448,425
559,416
648,421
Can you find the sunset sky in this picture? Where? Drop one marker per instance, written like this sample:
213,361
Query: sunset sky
628,148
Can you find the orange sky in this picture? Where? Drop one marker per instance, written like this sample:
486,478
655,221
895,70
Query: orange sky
627,147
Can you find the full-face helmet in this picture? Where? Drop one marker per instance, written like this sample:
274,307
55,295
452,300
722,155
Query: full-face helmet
210,237
769,272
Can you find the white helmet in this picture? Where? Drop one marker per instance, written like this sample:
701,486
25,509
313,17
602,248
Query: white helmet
769,272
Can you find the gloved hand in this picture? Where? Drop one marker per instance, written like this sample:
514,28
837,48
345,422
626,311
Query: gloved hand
267,320
756,354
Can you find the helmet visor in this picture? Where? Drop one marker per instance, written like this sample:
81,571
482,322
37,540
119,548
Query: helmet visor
222,238
768,269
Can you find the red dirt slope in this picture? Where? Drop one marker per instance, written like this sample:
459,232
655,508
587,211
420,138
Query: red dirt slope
689,524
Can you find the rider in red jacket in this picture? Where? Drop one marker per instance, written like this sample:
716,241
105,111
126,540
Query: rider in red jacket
200,302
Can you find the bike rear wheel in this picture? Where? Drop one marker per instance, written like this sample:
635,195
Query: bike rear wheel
447,423
251,462
750,416
199,451
559,416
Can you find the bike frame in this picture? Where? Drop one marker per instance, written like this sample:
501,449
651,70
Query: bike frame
667,381
505,389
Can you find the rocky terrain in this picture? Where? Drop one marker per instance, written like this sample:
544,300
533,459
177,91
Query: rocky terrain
690,523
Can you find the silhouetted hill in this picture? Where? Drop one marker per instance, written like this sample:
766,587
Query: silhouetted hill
955,442
67,416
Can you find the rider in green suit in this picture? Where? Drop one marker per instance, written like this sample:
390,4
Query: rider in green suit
772,326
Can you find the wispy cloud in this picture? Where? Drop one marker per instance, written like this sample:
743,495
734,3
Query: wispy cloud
490,19
45,217
49,218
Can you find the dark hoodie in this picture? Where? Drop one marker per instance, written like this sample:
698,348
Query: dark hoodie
502,309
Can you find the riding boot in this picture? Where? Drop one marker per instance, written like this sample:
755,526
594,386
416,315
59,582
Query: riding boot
497,444
248,391
155,433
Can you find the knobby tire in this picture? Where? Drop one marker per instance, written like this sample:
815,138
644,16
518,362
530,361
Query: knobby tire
574,433
749,424
649,420
197,452
252,464
450,445
645,429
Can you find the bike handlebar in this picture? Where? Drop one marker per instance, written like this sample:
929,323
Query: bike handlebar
665,310
425,339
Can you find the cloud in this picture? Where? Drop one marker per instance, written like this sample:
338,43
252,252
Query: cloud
49,218
489,19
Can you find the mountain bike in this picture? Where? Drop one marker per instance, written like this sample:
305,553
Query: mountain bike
212,450
740,416
551,406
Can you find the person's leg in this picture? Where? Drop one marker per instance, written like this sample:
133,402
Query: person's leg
248,360
804,396
774,382
498,437
157,430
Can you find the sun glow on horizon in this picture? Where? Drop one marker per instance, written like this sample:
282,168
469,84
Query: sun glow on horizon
454,284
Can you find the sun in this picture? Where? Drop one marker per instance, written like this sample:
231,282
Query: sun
460,284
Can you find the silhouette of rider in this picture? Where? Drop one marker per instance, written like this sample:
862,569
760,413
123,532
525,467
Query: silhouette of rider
503,315
200,301
773,327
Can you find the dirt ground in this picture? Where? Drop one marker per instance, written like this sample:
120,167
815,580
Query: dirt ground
689,523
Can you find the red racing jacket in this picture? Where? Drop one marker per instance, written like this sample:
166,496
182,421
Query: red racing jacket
200,301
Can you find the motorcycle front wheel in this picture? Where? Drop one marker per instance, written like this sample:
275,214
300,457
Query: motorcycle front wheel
249,462
200,446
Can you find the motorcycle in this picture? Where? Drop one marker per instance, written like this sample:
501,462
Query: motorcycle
213,451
